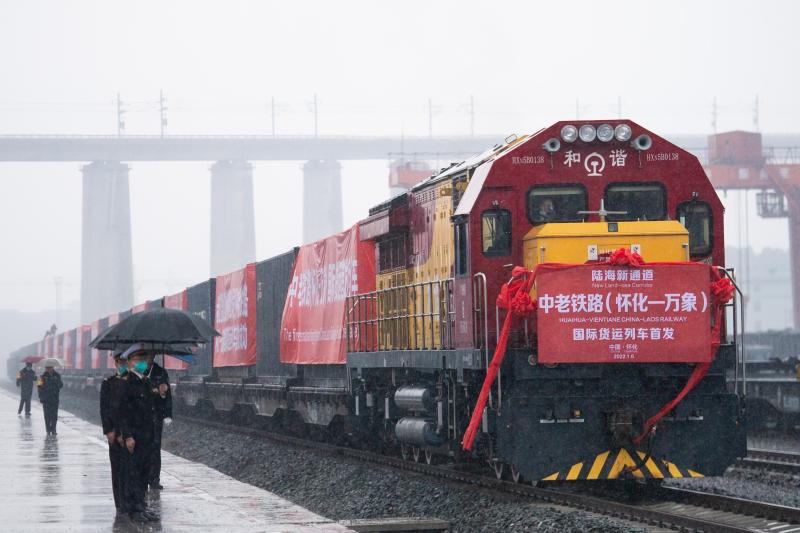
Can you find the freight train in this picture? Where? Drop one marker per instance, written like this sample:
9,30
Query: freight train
498,311
773,381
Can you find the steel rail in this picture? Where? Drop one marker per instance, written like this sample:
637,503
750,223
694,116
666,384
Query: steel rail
776,460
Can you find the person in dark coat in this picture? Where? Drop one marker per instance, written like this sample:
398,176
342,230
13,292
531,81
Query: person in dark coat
162,394
110,397
49,385
136,412
25,379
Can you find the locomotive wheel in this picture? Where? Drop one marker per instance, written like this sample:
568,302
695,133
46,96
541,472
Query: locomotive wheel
404,452
499,469
415,451
515,476
428,456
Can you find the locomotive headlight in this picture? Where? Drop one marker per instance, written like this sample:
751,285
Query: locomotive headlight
587,133
605,132
622,132
569,133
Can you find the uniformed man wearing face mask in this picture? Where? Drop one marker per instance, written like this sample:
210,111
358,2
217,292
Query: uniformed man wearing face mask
110,397
136,412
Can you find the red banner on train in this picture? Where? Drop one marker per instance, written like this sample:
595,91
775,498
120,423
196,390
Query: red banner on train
80,346
68,350
175,301
606,314
113,320
235,318
95,354
325,274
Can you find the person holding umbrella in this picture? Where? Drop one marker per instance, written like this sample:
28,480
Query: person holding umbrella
136,410
25,379
166,331
49,385
110,397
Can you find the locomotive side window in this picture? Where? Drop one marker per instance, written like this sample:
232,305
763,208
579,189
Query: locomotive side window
696,217
461,248
392,253
556,204
640,201
496,232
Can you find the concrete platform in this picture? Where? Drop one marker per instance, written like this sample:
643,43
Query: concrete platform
62,484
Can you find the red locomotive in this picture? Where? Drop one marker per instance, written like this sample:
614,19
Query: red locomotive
499,310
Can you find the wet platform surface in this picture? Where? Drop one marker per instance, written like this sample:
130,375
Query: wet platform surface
63,483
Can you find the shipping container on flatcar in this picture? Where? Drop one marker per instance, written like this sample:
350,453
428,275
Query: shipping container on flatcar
190,388
272,282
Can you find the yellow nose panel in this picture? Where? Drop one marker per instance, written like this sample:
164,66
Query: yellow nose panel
616,464
579,242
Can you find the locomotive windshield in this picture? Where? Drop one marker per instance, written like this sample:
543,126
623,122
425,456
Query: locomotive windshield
639,201
556,204
696,217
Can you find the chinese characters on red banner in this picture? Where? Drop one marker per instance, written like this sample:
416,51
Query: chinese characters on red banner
235,318
604,313
326,272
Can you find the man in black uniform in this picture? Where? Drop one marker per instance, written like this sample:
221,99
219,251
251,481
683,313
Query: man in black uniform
162,393
49,390
25,379
136,411
110,397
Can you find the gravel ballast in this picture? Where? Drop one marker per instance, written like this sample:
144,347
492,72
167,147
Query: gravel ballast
341,488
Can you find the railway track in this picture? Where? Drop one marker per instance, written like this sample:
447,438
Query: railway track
661,507
779,461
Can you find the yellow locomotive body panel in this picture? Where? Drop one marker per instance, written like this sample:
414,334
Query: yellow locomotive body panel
411,300
579,242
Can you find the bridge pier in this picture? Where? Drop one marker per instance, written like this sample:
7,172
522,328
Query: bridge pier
233,238
322,199
106,263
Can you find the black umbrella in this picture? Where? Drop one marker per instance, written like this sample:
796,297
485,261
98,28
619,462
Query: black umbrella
159,327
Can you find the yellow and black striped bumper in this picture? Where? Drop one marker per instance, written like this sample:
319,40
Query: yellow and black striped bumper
614,464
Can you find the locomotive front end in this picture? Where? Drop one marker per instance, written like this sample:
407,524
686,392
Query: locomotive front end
561,303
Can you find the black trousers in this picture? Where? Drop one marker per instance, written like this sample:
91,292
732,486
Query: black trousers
50,415
116,458
134,477
25,400
154,469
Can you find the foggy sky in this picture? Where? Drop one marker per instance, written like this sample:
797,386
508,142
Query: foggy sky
373,65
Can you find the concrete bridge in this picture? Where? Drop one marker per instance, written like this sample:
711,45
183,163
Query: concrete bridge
106,204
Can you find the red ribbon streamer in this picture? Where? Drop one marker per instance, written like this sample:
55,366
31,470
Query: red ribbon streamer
515,298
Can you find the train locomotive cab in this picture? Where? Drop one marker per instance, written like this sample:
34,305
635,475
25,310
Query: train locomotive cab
578,386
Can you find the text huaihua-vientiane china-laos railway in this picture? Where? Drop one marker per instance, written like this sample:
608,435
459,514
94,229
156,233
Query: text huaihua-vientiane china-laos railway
554,306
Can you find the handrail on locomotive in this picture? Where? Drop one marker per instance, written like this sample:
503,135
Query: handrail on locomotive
740,347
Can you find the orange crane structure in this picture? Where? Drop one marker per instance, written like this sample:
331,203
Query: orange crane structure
737,161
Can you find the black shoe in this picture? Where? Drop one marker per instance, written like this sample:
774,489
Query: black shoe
151,516
156,486
54,433
139,517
